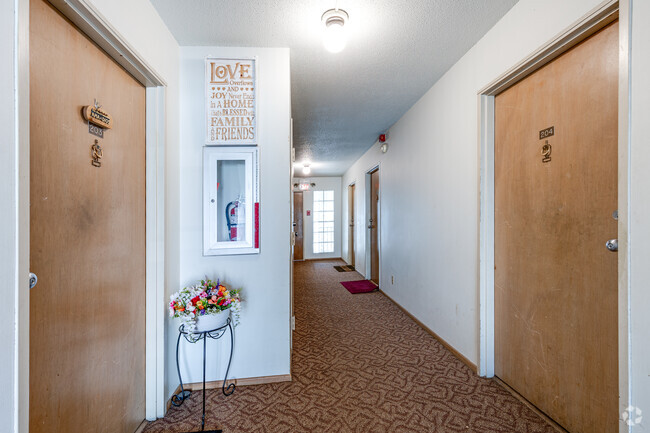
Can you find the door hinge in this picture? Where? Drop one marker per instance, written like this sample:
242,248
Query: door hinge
293,323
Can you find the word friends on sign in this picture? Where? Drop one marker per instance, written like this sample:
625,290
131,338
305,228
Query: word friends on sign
231,101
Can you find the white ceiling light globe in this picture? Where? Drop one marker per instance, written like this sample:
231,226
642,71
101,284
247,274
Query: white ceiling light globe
334,31
334,39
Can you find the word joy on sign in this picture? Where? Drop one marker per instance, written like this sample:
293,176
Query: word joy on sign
97,116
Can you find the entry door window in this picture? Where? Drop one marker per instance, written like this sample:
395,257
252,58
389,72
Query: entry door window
323,222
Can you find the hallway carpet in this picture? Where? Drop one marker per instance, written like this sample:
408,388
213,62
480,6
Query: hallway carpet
359,365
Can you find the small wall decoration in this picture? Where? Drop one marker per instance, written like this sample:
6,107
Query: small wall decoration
231,89
96,154
546,152
95,115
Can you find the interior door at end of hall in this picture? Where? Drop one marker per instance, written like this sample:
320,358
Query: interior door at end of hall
556,324
87,236
351,189
298,249
374,226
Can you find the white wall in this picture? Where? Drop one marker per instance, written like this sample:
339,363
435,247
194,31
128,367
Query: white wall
639,228
14,215
356,175
262,339
322,184
429,179
429,185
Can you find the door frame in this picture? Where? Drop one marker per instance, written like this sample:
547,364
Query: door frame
367,213
352,259
576,33
94,25
302,216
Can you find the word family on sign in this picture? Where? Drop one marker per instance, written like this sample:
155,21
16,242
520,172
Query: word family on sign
230,96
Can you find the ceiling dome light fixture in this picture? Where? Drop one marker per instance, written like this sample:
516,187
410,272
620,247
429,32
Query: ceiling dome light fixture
334,32
306,169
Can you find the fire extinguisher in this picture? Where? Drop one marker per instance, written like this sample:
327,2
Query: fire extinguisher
234,218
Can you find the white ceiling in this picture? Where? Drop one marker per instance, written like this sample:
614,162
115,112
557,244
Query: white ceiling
341,102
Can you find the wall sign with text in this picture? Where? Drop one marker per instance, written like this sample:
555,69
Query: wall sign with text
231,101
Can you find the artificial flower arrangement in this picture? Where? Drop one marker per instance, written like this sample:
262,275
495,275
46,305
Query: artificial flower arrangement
204,298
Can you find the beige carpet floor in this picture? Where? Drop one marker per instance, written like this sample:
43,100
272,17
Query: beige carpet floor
359,365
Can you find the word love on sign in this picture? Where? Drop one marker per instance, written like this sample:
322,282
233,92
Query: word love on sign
230,87
98,117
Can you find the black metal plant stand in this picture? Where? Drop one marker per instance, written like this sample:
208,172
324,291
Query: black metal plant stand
194,337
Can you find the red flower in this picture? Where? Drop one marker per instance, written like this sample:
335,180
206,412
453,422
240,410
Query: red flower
195,300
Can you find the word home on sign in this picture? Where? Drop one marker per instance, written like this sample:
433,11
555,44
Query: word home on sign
231,101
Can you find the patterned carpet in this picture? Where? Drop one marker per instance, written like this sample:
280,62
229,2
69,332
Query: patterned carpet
360,366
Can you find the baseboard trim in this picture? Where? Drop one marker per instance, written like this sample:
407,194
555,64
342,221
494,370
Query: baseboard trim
530,406
324,259
448,346
141,427
245,381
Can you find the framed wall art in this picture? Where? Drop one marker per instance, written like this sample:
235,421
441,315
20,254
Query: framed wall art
231,101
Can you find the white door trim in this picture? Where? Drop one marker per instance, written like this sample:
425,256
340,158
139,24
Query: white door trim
85,16
351,254
368,214
604,14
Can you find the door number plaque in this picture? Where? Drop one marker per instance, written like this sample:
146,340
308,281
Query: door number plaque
546,148
548,132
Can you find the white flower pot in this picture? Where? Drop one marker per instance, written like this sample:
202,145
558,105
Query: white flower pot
212,321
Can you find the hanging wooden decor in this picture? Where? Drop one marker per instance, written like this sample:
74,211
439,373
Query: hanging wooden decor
97,116
231,101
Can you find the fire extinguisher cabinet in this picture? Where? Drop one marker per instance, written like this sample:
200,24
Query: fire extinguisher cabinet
230,200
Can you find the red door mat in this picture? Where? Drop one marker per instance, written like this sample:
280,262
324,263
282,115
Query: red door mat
362,286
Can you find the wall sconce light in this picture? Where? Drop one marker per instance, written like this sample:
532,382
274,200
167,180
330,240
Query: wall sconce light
306,169
334,32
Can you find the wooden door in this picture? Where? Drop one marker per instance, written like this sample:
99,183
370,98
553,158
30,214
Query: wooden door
374,226
351,224
298,249
87,313
555,281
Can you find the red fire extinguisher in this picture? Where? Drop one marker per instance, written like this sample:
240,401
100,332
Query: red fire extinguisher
234,214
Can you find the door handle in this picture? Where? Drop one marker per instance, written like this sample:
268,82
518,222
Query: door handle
33,280
612,245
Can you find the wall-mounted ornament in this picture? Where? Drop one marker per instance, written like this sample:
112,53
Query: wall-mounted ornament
231,101
96,153
546,152
95,115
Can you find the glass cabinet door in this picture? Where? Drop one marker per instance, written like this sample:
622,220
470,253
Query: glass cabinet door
230,201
